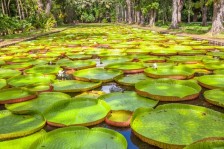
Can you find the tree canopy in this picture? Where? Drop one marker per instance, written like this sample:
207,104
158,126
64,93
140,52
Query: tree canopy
32,14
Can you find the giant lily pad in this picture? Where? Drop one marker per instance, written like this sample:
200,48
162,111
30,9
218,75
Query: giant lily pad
208,143
168,89
97,74
8,73
120,118
13,126
44,69
127,67
13,95
215,97
79,64
131,80
2,83
74,85
127,100
85,138
21,66
175,72
212,81
176,125
23,142
84,112
32,79
39,104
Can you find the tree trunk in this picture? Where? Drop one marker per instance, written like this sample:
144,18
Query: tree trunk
126,15
138,17
204,11
48,7
8,4
189,12
40,6
142,19
19,9
22,9
218,9
130,19
3,7
180,7
152,17
174,24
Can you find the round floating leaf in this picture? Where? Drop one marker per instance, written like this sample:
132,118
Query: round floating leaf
20,66
84,112
168,89
219,71
212,81
41,88
127,67
208,143
176,125
12,126
90,95
186,59
2,83
44,69
215,97
79,64
175,72
214,66
84,138
30,80
23,142
79,56
131,80
74,85
13,95
117,59
40,104
127,100
119,118
97,74
8,73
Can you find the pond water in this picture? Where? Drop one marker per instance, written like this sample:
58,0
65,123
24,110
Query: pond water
91,40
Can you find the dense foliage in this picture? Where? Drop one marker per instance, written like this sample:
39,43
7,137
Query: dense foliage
26,15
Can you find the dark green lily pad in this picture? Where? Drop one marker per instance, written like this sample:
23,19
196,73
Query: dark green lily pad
177,125
74,85
168,89
127,100
12,126
215,97
40,104
84,112
85,138
23,142
97,74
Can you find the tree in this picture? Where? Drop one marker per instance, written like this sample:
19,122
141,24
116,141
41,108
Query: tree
180,7
129,11
174,23
218,12
204,10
